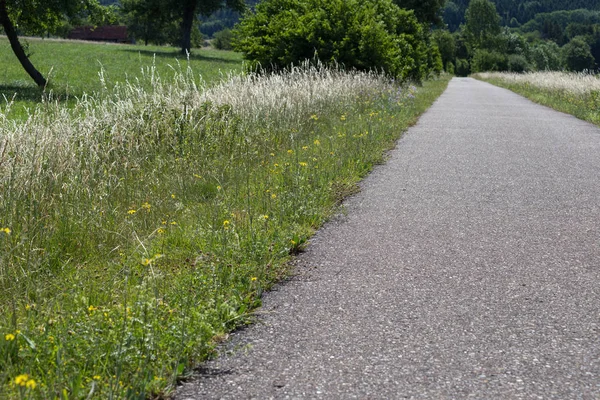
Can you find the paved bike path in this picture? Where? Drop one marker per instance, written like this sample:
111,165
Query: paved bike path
468,267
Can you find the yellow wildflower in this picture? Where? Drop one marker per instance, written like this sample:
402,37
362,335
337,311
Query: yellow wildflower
92,308
314,117
304,147
22,379
160,231
97,377
253,278
290,151
317,142
273,196
343,118
6,230
303,164
146,206
173,223
30,384
9,337
219,187
131,212
172,196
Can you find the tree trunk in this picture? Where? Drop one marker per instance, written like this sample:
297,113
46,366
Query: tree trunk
189,15
9,29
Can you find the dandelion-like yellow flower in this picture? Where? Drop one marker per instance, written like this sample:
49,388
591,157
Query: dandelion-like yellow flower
172,196
253,278
272,154
146,206
22,379
226,223
197,176
173,223
343,118
304,147
273,196
160,231
30,384
6,230
97,377
265,216
317,142
131,212
303,164
219,188
9,337
290,151
92,308
146,262
314,117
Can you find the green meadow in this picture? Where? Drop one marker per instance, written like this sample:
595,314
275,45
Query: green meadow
74,68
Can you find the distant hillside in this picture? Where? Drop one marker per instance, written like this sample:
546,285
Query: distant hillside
515,12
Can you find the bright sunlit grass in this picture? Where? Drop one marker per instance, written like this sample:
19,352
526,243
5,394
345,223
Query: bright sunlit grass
573,93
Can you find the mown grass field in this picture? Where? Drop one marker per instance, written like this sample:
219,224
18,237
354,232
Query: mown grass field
73,68
141,224
577,94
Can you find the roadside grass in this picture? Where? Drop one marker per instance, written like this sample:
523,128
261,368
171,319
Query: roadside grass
142,224
74,68
577,94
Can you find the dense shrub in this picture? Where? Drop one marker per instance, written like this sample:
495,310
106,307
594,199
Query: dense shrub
222,40
485,60
546,56
578,55
518,63
463,68
371,34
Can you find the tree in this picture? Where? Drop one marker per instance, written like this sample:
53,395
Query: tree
426,11
361,34
147,20
546,56
447,46
578,55
482,25
37,17
189,10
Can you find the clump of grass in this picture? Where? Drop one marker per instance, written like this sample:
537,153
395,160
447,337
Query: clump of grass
573,93
141,225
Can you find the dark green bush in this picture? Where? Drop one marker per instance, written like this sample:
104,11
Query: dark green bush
485,60
578,55
463,68
222,40
546,56
369,34
518,63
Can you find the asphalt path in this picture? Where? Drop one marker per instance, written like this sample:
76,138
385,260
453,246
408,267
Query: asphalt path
467,267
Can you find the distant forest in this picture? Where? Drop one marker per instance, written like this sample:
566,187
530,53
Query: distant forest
514,12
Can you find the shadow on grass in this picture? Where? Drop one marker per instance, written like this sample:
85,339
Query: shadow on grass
181,57
20,93
34,94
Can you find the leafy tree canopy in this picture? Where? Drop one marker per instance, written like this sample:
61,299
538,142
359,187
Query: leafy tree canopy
361,34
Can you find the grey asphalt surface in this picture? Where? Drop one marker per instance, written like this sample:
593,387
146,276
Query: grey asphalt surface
468,267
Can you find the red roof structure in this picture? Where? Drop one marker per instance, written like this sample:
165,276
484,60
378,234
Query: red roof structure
112,33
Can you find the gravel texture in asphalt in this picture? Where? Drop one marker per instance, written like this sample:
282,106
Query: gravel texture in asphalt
468,267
